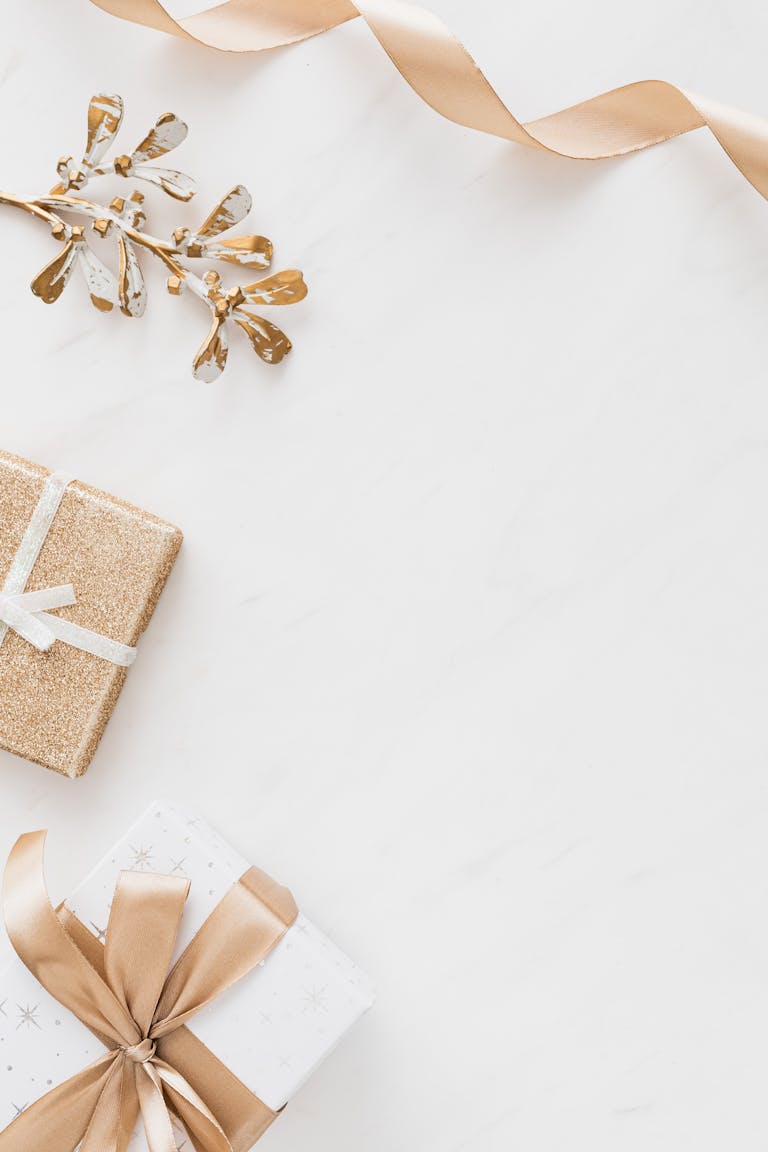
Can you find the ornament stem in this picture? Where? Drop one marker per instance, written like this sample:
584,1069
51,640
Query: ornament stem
124,220
30,206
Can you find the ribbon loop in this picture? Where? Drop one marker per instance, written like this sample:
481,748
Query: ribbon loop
52,956
141,934
253,915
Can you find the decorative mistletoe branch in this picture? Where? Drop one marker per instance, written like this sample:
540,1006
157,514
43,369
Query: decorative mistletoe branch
125,220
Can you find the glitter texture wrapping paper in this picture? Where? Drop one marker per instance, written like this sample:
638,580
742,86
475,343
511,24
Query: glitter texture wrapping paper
55,705
272,1029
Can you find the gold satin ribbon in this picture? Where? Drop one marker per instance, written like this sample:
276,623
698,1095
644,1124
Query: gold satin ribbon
123,992
443,73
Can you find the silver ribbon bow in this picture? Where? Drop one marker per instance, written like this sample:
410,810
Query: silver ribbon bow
28,614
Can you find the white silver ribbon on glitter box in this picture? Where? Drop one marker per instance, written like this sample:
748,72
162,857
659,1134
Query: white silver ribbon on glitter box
80,574
28,614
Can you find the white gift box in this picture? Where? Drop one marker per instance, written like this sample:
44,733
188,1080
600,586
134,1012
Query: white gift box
272,1028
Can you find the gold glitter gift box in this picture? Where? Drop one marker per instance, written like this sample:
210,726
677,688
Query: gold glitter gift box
80,576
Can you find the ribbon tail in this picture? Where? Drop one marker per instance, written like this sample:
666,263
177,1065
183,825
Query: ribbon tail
196,1116
59,596
129,1108
143,924
153,1080
114,1117
61,1118
154,1110
242,1115
87,641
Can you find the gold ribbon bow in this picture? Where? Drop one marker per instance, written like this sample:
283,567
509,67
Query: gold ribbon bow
123,992
439,68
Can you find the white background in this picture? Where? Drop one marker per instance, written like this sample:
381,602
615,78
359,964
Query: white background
468,640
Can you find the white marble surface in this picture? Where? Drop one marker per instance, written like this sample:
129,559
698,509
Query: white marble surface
468,638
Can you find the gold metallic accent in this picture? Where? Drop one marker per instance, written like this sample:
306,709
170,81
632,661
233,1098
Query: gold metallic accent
124,219
51,281
105,114
212,355
131,291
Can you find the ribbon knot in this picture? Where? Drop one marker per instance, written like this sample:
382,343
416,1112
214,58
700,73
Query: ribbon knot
142,1053
137,1003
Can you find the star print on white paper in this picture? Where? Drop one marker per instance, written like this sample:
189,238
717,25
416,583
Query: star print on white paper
142,859
315,1000
28,1016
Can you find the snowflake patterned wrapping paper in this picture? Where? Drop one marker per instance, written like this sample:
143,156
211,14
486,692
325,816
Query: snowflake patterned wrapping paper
271,1029
99,566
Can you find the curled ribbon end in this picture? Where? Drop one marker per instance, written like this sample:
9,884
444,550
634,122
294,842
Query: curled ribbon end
441,71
